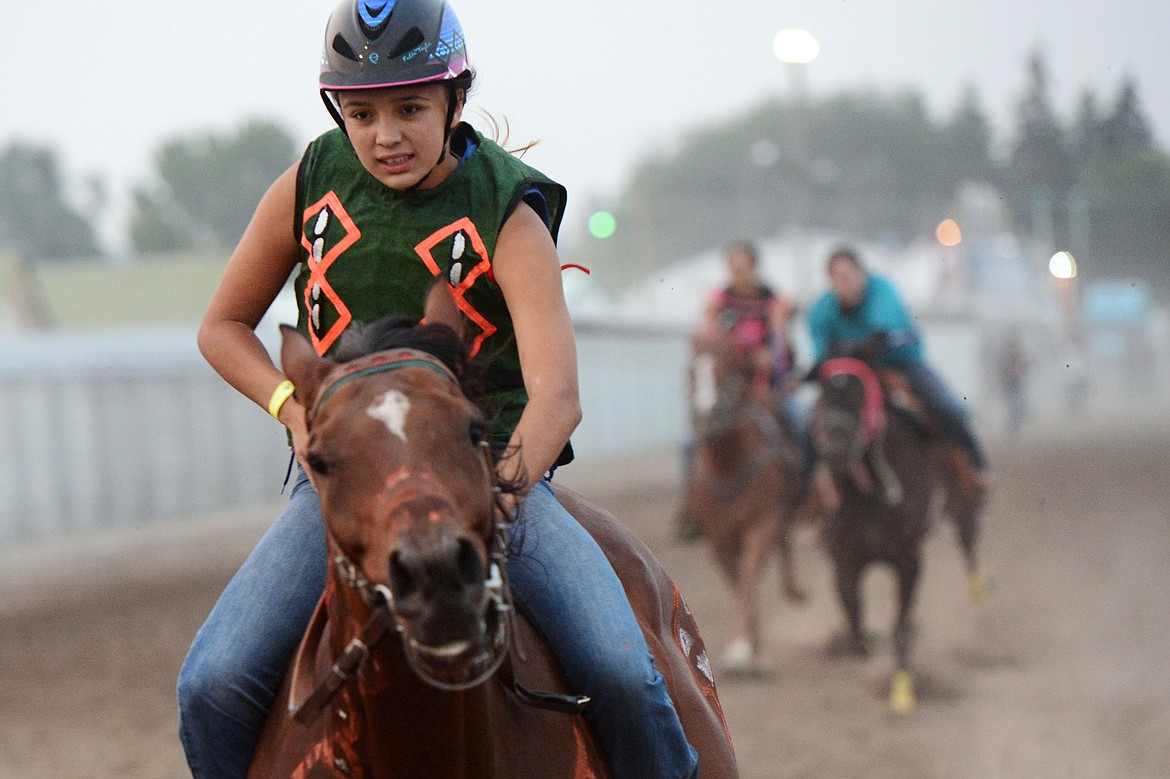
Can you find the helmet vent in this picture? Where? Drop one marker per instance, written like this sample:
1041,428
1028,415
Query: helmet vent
374,15
409,42
342,47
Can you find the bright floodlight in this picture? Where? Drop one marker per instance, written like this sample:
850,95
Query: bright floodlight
948,233
1063,265
795,47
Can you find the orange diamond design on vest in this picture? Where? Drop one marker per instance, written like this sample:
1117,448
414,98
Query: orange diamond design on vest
467,276
320,214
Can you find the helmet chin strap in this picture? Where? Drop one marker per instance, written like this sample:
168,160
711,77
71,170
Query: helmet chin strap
442,156
332,109
451,103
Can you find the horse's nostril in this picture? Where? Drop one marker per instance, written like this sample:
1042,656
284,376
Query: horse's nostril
468,562
403,581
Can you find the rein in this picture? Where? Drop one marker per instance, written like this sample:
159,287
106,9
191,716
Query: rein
384,618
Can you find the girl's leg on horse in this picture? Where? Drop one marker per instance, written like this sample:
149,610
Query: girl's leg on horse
931,390
566,586
238,658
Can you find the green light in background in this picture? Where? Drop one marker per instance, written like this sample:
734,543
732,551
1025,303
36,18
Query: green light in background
602,224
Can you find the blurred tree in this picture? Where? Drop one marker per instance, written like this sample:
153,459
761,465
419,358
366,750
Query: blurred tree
35,219
1129,217
1086,131
1126,130
877,166
208,187
1126,186
871,165
1041,173
966,141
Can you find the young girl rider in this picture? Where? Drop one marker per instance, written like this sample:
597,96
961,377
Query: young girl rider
399,193
756,318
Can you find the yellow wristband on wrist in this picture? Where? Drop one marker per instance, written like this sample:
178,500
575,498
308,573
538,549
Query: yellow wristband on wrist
283,392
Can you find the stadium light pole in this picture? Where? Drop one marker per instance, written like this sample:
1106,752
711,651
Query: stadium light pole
796,48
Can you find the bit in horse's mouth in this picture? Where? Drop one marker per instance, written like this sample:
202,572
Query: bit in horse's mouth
448,651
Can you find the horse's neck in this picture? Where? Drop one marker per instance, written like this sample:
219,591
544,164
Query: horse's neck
394,719
733,442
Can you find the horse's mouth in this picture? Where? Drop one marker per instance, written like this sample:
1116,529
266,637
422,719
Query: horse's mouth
450,651
460,663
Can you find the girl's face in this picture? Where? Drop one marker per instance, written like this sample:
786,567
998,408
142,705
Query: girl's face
742,270
848,282
398,133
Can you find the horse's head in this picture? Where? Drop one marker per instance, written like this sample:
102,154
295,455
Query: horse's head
849,411
399,457
721,375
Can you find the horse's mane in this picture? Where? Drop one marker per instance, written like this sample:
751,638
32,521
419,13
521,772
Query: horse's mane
400,332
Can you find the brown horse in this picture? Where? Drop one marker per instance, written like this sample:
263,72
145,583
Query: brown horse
415,664
744,485
877,477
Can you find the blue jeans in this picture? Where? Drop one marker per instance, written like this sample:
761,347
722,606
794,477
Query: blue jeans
230,676
952,414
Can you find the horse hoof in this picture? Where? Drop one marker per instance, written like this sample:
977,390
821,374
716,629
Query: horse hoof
902,697
978,585
739,658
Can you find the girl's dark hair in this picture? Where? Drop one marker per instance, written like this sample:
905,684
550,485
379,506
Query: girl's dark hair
745,247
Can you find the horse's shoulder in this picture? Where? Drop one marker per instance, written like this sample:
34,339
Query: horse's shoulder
310,665
670,630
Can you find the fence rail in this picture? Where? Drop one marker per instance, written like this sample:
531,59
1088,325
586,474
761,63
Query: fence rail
120,430
125,429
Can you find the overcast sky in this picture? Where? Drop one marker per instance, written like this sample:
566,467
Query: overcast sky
598,83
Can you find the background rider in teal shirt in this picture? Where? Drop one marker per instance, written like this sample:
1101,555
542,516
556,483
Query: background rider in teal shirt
862,307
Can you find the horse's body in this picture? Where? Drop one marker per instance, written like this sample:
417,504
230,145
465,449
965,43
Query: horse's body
744,485
878,467
411,518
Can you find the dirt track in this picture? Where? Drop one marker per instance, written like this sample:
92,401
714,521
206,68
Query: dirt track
1061,673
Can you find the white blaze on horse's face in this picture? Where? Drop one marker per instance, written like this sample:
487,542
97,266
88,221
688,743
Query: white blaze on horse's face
705,392
392,408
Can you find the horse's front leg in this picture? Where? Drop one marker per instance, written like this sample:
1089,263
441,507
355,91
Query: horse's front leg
902,697
887,477
848,574
966,513
741,654
826,488
788,582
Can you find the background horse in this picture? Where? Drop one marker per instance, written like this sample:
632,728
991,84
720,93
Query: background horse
744,482
415,664
877,477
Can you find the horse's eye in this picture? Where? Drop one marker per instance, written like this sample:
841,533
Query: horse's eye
476,431
317,464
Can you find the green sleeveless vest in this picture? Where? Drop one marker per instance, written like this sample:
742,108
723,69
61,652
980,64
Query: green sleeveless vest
369,251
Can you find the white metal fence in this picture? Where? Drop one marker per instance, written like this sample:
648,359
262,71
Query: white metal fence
120,430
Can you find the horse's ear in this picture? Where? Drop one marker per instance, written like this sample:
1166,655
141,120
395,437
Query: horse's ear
301,364
440,309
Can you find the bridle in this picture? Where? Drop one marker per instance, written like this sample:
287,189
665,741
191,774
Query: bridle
496,604
384,617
